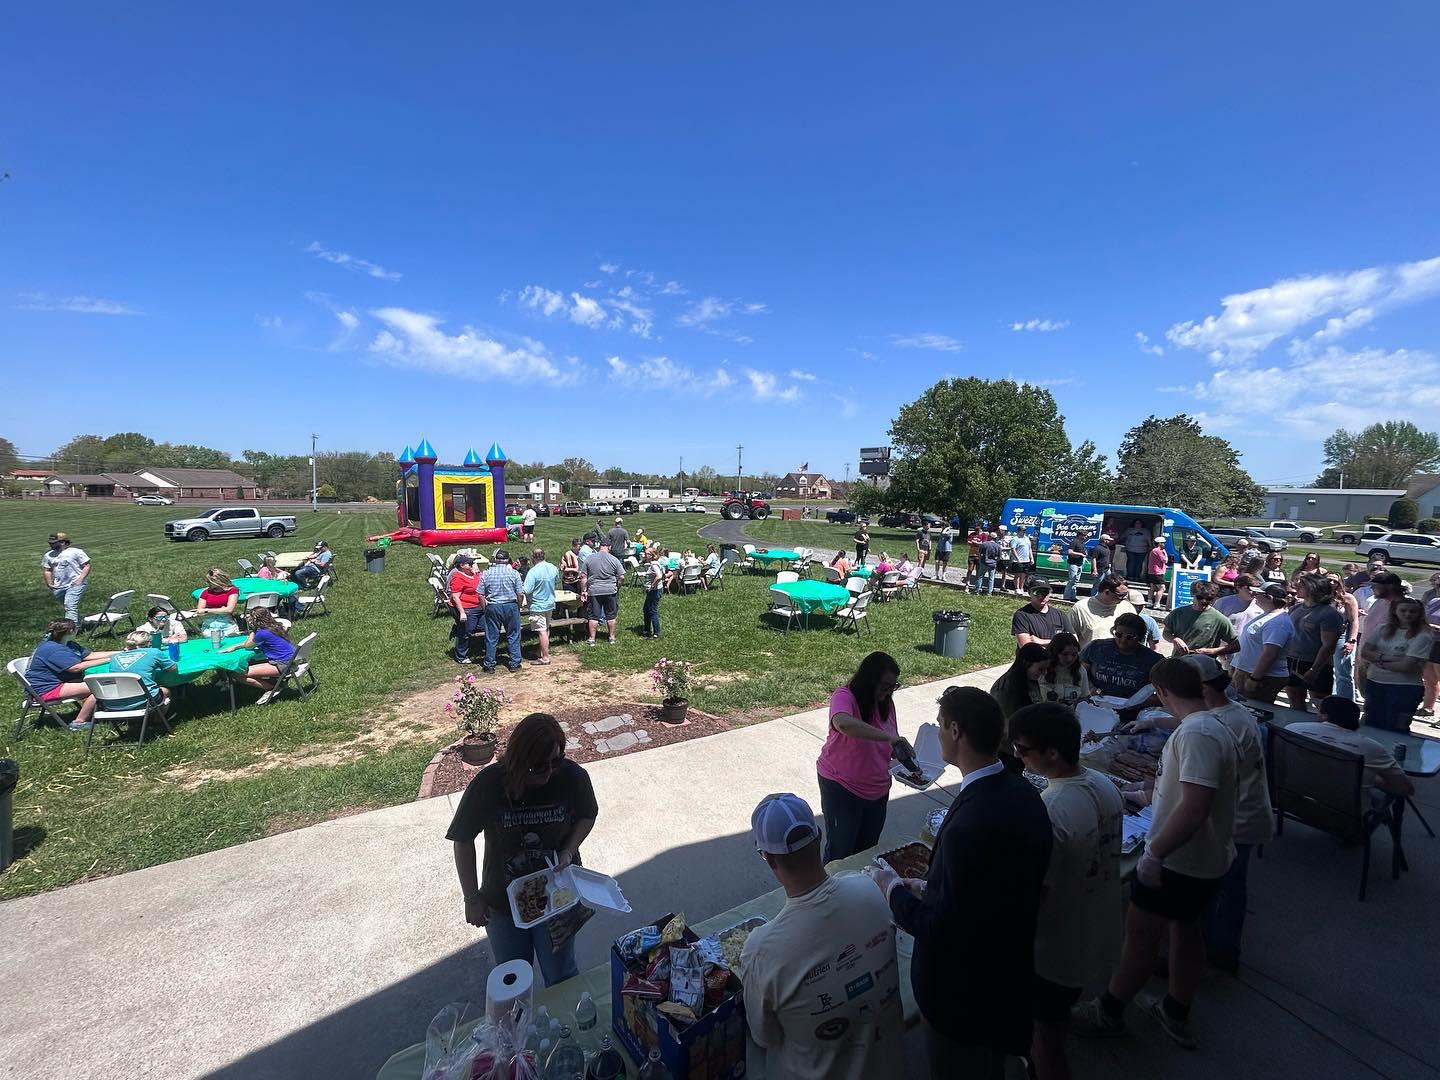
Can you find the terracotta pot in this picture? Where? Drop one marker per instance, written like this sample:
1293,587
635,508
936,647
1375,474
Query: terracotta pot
673,710
477,749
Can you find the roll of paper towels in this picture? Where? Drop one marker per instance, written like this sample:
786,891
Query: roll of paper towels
510,986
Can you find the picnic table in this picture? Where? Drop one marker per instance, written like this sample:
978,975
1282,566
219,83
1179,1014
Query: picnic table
198,657
560,999
289,560
250,586
810,595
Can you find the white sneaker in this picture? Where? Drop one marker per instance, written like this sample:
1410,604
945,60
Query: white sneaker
265,698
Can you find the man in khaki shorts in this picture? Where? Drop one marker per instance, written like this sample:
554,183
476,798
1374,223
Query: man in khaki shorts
539,588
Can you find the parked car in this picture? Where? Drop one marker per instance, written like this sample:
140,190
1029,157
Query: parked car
153,500
1265,543
1292,530
570,508
654,508
675,508
543,510
696,508
900,521
935,521
844,515
605,508
1404,548
224,522
1357,536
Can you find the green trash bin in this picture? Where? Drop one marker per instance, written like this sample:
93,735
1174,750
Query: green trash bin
9,777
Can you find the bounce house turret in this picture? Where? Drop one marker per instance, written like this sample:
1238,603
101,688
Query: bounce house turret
450,504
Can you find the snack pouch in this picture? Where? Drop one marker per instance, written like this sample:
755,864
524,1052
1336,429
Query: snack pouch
687,977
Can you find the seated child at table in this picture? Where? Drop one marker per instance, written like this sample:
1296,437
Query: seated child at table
271,639
143,660
158,621
58,666
216,608
269,571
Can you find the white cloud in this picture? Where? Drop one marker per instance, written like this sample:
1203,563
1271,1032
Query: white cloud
755,308
1040,326
1147,346
586,311
615,312
672,288
81,305
609,267
1250,322
938,342
270,322
849,407
766,386
414,339
662,373
803,376
351,262
707,310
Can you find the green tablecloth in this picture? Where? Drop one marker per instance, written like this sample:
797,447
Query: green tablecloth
811,595
249,586
197,657
776,555
861,572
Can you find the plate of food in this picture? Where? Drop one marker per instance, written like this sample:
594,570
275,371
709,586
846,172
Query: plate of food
928,763
732,941
909,861
549,892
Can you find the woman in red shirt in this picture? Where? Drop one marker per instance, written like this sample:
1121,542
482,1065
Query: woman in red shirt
216,609
465,598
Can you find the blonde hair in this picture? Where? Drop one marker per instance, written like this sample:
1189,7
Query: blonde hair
219,579
138,639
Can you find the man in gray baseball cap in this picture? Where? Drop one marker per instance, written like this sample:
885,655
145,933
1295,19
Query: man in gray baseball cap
832,944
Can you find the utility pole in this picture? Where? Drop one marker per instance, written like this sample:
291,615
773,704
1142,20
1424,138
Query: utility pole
314,485
682,474
739,456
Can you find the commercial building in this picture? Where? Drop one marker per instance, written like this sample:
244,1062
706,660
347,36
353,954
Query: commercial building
1335,505
627,491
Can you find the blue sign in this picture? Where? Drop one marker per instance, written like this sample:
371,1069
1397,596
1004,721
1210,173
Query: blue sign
1180,592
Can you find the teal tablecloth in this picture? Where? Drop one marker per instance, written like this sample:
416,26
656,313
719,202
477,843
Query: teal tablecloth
861,572
249,586
197,657
776,555
811,595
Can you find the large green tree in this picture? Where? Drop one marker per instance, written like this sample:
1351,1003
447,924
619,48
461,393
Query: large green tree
967,445
1172,462
1383,455
82,454
9,459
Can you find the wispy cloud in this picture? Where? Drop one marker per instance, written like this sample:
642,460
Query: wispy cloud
270,322
849,407
1334,304
938,342
803,376
414,339
662,373
708,312
1040,326
613,312
1145,345
766,386
609,267
81,305
704,311
351,262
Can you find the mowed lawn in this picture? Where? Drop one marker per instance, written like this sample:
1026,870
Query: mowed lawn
118,811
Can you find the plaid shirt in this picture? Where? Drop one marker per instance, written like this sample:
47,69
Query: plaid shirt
501,584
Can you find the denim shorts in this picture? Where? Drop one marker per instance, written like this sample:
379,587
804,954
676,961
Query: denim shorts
604,608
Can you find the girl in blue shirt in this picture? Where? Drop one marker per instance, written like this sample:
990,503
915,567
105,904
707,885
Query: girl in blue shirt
272,641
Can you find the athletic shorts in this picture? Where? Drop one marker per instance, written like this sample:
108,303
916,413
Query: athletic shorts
1324,680
1024,567
1266,688
1179,897
1155,579
604,608
1050,1002
53,694
539,620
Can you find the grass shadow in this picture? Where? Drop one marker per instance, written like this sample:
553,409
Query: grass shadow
26,839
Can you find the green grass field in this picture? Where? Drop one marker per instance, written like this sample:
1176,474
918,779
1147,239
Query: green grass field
120,811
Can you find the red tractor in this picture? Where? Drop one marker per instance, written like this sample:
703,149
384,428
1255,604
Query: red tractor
745,505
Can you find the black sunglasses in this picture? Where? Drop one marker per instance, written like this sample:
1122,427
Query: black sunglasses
547,766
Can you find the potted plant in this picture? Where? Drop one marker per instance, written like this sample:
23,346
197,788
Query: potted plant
672,679
476,711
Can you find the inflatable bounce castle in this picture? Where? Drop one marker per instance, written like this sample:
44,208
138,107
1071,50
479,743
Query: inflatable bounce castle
450,504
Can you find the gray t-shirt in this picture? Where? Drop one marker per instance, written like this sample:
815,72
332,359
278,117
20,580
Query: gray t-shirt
619,539
1310,622
64,565
603,574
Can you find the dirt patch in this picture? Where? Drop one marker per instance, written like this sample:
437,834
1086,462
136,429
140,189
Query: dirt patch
450,774
420,717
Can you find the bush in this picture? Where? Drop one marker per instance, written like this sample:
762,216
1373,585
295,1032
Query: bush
1404,513
325,491
1430,526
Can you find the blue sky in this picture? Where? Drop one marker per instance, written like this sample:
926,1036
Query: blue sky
639,231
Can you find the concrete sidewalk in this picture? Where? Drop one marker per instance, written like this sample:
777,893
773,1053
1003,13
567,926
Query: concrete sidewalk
321,951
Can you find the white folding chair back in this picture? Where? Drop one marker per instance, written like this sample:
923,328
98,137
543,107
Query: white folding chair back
442,596
117,608
29,699
856,585
716,576
780,604
890,584
121,697
315,601
692,577
833,575
786,576
160,600
853,613
268,600
247,566
297,668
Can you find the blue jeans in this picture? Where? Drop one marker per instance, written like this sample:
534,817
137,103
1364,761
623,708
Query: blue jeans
463,629
1072,579
987,579
1391,705
1225,918
651,615
69,597
508,942
1344,673
505,617
1135,565
307,576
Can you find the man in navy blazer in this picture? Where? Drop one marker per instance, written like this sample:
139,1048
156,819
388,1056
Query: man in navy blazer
973,917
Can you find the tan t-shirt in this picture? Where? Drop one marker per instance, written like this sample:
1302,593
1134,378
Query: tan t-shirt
1254,821
1077,935
1093,619
1200,751
1395,648
822,985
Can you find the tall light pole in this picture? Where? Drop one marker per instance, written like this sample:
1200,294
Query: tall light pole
739,454
314,485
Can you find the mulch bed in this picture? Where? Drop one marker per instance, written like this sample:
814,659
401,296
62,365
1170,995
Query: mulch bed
448,774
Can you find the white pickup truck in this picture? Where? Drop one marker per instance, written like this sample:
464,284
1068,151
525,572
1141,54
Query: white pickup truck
1292,530
225,522
1352,535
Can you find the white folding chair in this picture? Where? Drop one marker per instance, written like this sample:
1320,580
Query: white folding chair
853,613
909,587
305,604
29,699
116,694
247,566
890,585
268,600
780,604
857,585
160,600
442,596
833,575
692,577
295,669
117,608
715,577
785,576
748,562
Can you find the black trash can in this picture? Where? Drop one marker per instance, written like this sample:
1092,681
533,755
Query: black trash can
952,632
9,777
375,560
729,553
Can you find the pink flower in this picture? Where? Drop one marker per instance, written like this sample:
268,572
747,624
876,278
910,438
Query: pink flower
449,707
470,677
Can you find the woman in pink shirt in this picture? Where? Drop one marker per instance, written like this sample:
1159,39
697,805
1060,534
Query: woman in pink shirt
1155,564
854,763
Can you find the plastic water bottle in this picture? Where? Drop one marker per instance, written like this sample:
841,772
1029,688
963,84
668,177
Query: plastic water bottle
587,1018
156,641
607,1064
566,1059
654,1068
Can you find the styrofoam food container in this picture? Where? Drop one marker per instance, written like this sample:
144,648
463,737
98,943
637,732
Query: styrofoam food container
596,889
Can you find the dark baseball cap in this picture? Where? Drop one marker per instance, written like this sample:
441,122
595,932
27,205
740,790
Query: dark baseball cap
465,557
501,555
1276,591
1035,588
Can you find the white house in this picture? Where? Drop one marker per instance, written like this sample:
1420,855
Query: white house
627,491
545,490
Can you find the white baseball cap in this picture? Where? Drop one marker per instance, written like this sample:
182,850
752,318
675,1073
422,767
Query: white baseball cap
775,823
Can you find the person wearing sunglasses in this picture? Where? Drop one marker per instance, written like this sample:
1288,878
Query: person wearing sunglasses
1198,627
1120,665
532,803
1093,617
